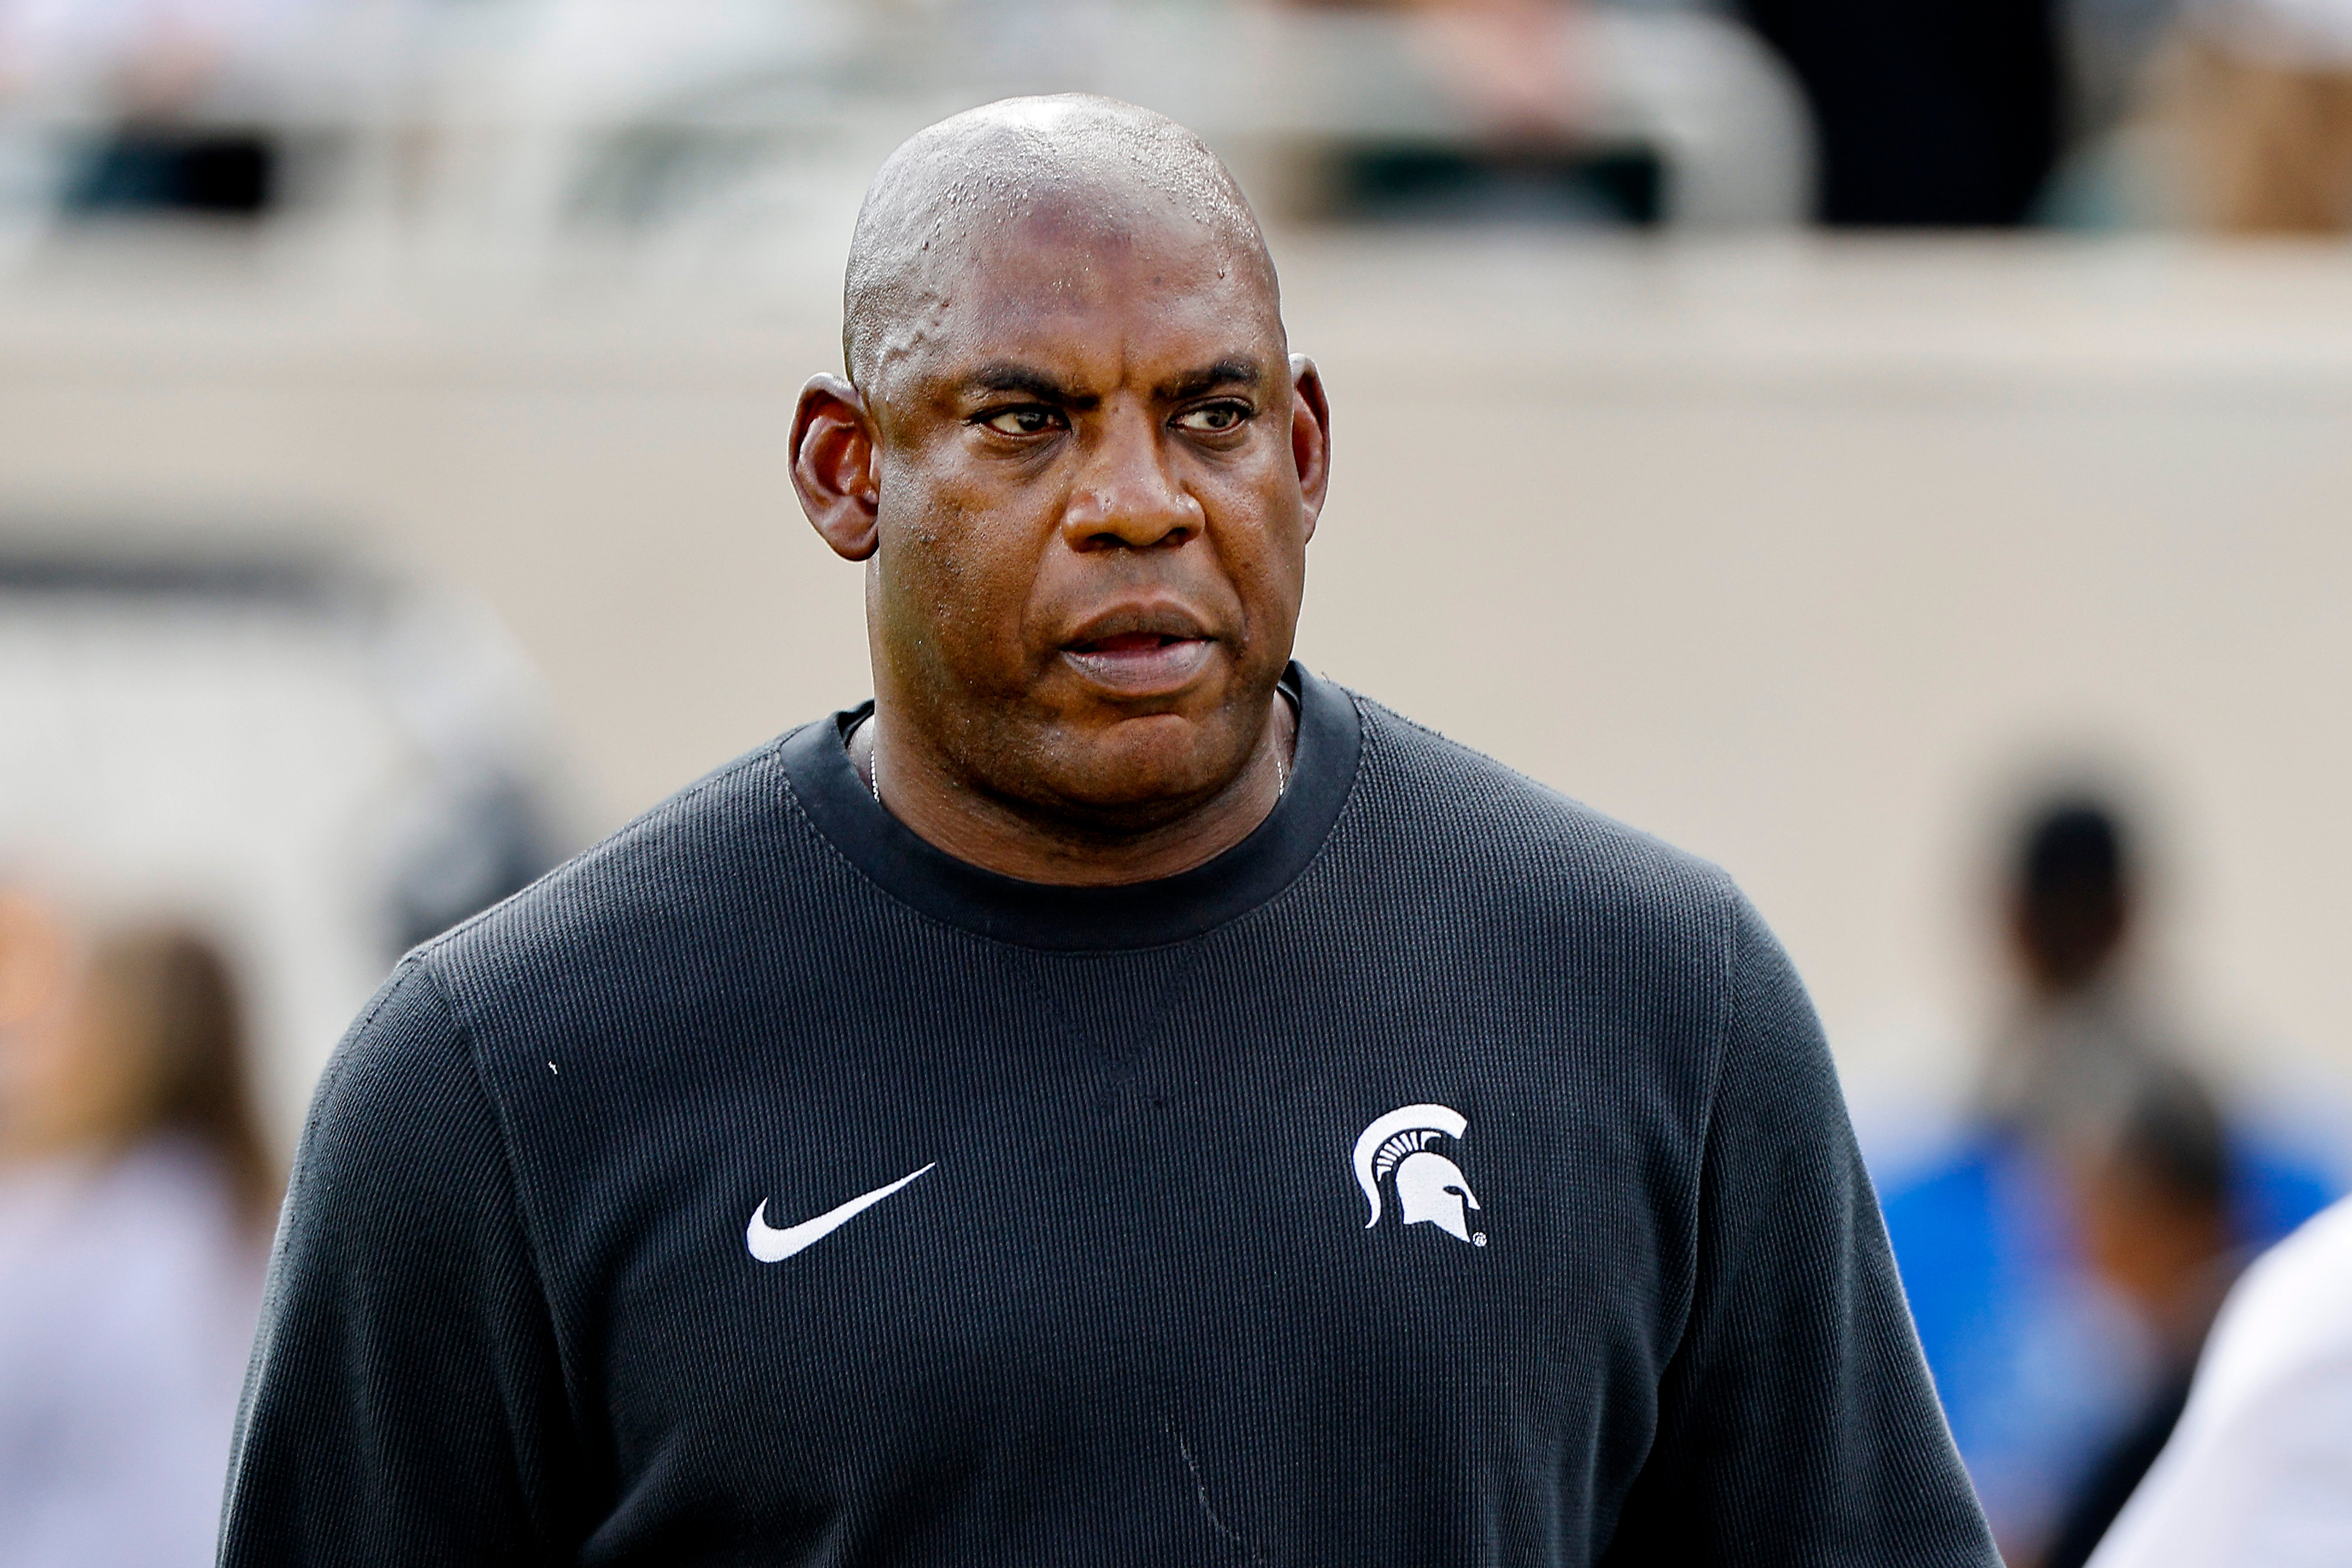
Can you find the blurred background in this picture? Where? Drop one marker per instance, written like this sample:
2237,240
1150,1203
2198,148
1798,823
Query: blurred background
1900,452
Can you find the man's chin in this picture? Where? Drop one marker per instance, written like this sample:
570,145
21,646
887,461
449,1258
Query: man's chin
1144,769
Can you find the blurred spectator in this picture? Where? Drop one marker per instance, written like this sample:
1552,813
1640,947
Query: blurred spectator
183,98
135,1206
2259,93
1518,79
2153,1204
1515,64
2058,1260
1929,112
2260,1470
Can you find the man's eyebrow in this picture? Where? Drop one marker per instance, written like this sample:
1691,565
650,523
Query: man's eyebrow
1035,383
1232,371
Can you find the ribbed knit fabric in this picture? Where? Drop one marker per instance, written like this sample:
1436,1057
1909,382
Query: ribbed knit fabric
1625,1299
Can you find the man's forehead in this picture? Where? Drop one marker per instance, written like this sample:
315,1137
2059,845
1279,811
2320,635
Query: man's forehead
1083,302
1044,216
1065,252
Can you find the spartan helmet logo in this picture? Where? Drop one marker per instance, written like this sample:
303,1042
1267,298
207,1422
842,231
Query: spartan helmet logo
1430,1188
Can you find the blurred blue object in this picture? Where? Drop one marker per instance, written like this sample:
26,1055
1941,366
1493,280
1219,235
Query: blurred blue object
2038,1367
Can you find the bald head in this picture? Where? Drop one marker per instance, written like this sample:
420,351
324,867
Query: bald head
1074,161
1080,466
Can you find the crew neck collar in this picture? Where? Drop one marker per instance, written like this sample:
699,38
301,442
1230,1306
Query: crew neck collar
1043,915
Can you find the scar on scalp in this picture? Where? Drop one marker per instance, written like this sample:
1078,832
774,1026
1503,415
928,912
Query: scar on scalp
972,173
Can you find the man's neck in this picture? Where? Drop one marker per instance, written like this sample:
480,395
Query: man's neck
959,821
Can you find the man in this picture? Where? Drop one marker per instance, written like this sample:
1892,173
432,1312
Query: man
2260,1468
2152,1199
2096,1176
1120,1099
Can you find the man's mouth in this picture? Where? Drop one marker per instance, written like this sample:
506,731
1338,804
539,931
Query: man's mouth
1141,664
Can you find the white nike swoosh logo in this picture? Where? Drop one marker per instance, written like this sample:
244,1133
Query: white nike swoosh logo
770,1245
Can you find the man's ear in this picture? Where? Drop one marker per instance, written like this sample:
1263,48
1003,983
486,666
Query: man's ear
836,466
1310,436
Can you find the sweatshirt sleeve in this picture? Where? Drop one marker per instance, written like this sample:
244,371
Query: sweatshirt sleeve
405,1404
1796,1421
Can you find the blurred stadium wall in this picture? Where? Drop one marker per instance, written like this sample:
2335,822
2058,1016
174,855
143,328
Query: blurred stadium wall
1799,553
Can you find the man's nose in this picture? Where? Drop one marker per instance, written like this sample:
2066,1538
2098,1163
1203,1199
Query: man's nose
1126,497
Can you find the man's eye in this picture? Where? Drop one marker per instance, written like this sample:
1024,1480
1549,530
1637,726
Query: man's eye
1030,421
1212,418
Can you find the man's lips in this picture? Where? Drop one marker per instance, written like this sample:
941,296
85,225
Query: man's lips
1141,664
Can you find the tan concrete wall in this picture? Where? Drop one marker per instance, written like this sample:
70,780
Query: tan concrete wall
1796,554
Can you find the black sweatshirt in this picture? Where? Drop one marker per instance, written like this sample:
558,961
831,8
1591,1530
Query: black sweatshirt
1445,1175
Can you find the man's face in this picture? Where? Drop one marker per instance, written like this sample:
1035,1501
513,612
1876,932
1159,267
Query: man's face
1091,523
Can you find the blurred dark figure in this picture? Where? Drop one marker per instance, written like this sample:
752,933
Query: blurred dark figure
185,82
481,835
2156,1228
2076,1049
1928,113
161,168
2063,1263
136,1200
2073,908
